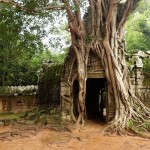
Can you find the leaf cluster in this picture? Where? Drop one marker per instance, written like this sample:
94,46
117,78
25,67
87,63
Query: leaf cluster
138,28
20,41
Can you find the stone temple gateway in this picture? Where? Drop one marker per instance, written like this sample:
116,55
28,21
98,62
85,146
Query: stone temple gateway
99,102
59,87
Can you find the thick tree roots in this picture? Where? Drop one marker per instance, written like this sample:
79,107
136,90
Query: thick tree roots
106,19
130,111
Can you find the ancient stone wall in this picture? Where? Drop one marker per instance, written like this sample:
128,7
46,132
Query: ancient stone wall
49,79
17,104
140,80
18,98
142,90
22,98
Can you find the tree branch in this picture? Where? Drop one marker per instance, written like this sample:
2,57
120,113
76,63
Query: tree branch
130,5
73,22
61,7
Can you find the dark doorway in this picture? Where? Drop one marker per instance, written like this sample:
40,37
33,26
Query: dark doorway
75,97
96,98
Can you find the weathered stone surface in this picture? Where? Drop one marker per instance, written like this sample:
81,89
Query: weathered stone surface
138,78
137,61
49,83
18,103
18,90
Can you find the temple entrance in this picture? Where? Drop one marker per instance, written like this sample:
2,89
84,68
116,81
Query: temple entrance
96,99
75,98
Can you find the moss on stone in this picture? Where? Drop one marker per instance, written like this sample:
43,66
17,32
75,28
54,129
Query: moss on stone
49,84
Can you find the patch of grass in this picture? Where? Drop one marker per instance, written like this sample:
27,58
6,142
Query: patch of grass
10,116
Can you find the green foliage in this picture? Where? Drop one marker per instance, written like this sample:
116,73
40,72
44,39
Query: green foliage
146,63
139,129
138,28
21,40
20,43
51,72
146,68
59,58
130,123
146,126
4,91
49,84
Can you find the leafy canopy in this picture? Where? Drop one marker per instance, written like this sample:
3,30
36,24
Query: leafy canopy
137,28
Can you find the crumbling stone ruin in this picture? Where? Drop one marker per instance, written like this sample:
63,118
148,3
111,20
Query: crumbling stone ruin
49,78
53,88
97,90
140,81
18,98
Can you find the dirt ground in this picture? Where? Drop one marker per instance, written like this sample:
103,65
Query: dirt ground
90,137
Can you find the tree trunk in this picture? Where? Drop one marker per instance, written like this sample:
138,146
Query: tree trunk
106,19
81,50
